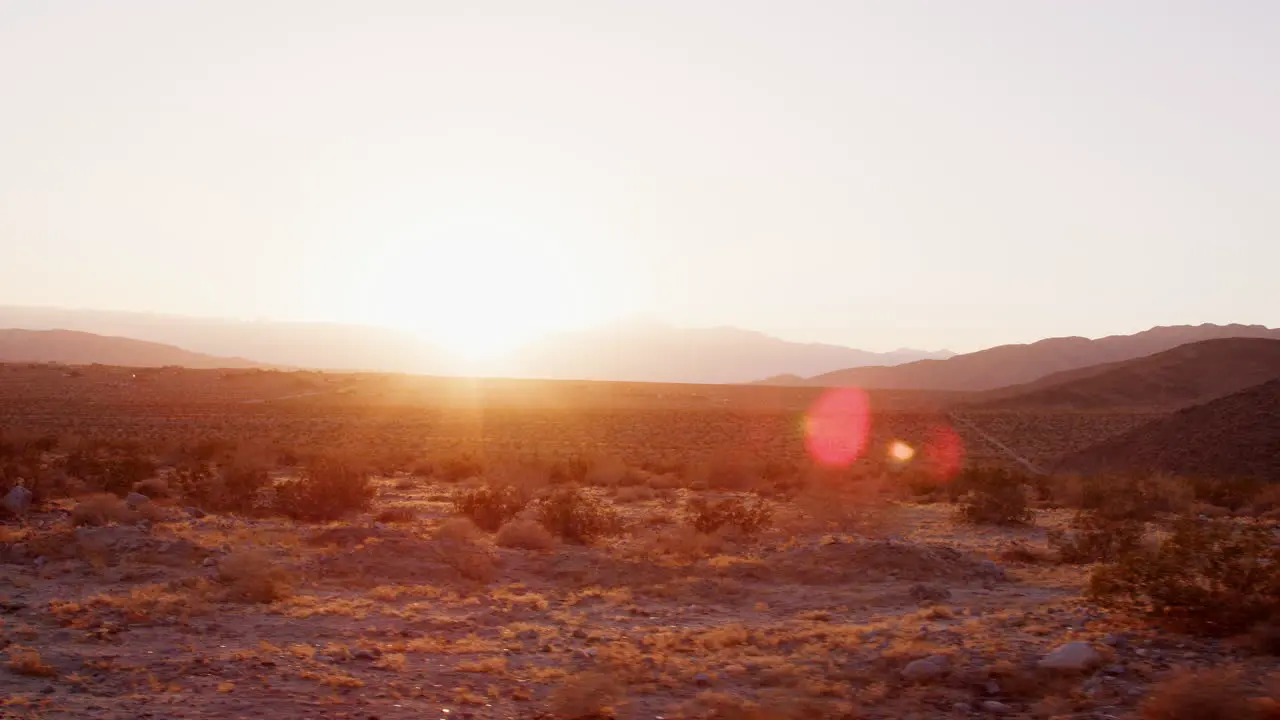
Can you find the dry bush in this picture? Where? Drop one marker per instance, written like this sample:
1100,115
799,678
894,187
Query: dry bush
1204,695
590,696
492,505
683,542
577,517
252,576
329,489
471,560
154,488
458,530
102,509
1093,537
27,661
1209,576
708,516
524,534
995,497
398,514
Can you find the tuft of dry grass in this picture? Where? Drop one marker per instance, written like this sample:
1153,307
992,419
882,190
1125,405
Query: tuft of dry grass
27,661
101,509
1204,695
524,534
252,576
398,514
590,696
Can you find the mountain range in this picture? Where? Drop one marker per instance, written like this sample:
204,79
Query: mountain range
78,348
1006,365
645,352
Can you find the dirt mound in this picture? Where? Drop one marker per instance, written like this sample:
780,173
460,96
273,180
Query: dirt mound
1236,436
1184,376
875,561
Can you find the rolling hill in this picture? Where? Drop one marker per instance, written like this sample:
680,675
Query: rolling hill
1232,437
1008,365
1187,375
79,348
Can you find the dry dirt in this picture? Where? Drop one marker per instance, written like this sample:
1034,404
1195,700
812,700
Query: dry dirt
223,617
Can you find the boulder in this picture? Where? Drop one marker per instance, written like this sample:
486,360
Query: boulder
926,669
1072,656
18,500
136,500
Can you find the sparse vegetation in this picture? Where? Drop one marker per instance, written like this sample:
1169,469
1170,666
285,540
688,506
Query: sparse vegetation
489,506
747,516
328,490
577,517
995,497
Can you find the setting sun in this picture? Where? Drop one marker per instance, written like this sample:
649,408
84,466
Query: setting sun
475,287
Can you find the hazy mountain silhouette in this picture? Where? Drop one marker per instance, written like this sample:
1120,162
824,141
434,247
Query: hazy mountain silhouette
1187,375
1007,365
637,351
1232,437
79,348
652,352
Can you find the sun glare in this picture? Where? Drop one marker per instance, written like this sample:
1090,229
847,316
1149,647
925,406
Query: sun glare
475,288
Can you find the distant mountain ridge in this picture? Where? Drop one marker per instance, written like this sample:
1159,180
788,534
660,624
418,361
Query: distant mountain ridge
1008,365
79,348
634,351
1186,375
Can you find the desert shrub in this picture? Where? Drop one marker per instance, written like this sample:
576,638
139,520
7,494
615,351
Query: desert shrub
154,488
491,505
524,534
1265,501
1204,695
328,490
1208,576
574,515
101,509
708,516
1094,537
398,514
1123,496
458,530
453,468
253,577
842,503
464,554
995,497
27,661
1230,493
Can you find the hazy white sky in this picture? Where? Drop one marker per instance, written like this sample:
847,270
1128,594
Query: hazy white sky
931,174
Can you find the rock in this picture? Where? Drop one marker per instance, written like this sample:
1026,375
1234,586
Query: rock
580,633
136,500
362,655
1115,640
927,669
18,500
921,592
1072,656
1115,670
991,687
702,680
194,512
996,707
989,570
961,707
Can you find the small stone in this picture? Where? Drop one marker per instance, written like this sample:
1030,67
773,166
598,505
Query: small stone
992,687
961,707
49,690
702,680
362,655
996,707
1115,670
1072,656
194,512
579,633
1115,640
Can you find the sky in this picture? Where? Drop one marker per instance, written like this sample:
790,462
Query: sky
876,174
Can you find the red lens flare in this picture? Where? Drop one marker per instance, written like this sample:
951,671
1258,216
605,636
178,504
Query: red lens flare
944,452
836,427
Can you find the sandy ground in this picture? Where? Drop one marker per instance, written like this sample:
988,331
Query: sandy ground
376,620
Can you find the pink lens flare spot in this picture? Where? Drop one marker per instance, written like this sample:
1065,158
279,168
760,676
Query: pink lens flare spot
836,427
945,452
